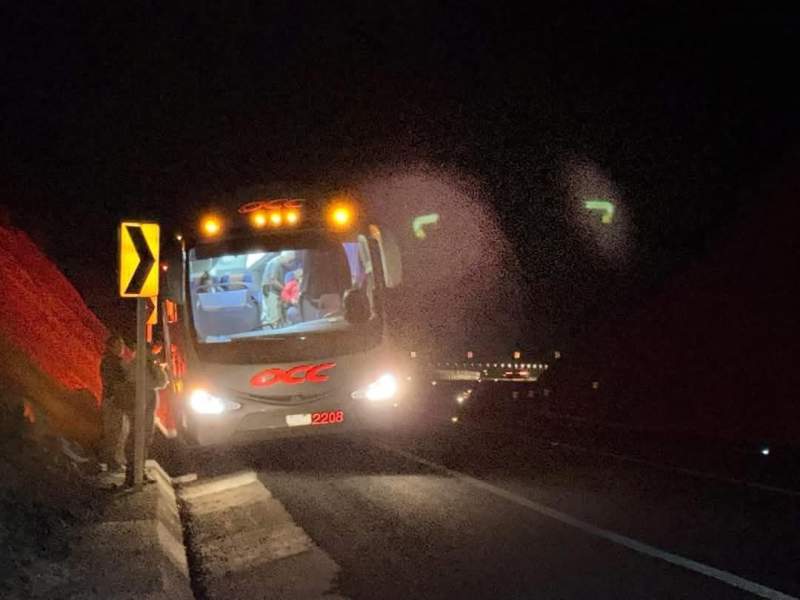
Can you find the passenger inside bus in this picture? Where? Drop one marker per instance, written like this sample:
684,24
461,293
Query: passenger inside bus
290,295
272,310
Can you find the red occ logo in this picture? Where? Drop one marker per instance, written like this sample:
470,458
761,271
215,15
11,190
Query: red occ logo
268,205
293,376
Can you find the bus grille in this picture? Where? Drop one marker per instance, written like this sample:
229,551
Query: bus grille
290,400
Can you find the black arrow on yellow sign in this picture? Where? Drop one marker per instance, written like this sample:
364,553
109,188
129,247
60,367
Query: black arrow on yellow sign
146,259
151,308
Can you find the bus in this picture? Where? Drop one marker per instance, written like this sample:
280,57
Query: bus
274,324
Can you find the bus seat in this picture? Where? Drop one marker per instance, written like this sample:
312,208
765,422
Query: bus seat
222,313
210,301
243,280
236,281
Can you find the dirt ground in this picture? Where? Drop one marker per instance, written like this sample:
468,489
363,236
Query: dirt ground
43,498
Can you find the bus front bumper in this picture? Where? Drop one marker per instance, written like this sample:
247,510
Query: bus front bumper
255,422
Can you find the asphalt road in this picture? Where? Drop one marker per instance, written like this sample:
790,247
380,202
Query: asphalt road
453,510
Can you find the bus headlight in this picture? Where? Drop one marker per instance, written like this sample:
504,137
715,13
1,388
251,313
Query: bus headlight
205,403
383,388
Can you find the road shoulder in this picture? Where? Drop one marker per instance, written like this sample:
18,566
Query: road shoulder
133,549
243,544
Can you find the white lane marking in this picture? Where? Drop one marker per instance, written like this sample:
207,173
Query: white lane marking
684,470
624,457
616,538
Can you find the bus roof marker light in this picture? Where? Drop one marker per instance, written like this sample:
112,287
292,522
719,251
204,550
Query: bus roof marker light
275,219
341,215
258,219
211,226
292,216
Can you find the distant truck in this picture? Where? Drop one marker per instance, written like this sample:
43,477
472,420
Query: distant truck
275,323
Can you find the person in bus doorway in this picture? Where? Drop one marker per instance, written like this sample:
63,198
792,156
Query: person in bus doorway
118,395
272,314
155,379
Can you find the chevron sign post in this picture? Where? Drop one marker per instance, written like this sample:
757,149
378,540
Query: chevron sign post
138,278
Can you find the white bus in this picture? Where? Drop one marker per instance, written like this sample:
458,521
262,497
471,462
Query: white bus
274,324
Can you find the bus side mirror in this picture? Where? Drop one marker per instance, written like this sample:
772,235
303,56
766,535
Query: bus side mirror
356,306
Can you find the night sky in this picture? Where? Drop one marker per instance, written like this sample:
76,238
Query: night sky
135,110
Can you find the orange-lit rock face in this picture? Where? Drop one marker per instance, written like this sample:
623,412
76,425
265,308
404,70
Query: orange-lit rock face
45,319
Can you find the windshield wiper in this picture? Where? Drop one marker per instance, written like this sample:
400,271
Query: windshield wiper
217,339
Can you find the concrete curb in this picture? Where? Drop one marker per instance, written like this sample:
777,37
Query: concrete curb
216,484
134,550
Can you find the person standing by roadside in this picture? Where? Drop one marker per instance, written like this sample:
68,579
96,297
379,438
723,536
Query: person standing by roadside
118,395
155,380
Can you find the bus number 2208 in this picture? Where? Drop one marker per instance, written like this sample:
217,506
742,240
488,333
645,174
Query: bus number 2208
327,417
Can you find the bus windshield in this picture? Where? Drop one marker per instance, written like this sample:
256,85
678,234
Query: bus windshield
277,289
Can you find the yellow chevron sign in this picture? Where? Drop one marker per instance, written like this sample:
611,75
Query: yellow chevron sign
152,310
138,260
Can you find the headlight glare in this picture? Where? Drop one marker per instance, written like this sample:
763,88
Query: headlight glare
205,403
383,388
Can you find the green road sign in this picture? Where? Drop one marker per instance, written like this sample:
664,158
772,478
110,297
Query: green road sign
419,223
604,206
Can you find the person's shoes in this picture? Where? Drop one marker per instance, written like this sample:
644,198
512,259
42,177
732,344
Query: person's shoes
146,480
74,451
116,469
112,478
